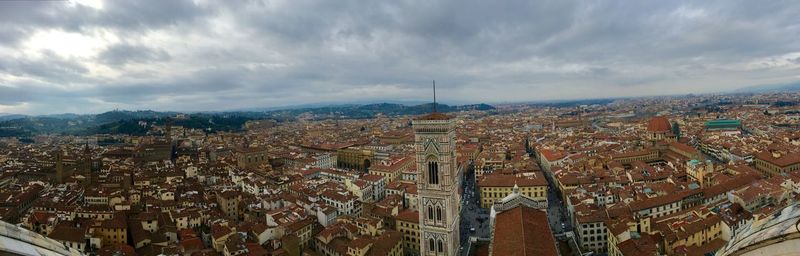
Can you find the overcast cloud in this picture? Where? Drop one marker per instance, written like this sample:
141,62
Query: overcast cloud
94,56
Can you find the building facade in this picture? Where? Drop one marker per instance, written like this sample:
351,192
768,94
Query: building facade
495,187
438,184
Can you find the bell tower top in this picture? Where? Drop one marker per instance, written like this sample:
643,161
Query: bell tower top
434,115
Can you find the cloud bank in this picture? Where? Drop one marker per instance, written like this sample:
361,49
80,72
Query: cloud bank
93,56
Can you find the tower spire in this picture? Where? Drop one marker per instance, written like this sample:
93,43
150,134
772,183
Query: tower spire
434,96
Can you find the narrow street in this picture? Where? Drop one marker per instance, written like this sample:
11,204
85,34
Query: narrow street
472,215
556,212
557,215
556,209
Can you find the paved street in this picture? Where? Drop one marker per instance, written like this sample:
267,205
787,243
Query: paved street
472,216
556,210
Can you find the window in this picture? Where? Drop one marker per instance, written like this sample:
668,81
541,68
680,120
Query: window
430,212
431,245
441,246
433,173
438,213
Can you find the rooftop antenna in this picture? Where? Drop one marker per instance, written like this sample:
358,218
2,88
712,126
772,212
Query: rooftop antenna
434,96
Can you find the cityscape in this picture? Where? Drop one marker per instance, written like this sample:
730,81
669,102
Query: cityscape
311,128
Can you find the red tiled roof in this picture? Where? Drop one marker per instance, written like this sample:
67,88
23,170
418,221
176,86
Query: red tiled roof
118,250
192,244
523,231
684,147
636,247
67,231
659,200
408,216
434,116
552,155
659,124
783,161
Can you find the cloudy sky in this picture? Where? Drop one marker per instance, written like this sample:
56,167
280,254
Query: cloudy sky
94,56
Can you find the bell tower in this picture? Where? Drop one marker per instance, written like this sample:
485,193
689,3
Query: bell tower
437,183
59,166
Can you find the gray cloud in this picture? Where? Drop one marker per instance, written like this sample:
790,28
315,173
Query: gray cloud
121,54
212,55
49,67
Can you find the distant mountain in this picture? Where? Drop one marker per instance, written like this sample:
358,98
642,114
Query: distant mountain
6,116
371,110
130,122
64,116
69,123
322,105
790,87
117,115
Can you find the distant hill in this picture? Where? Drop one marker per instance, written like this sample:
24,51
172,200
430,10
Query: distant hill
129,122
5,117
790,87
69,123
371,110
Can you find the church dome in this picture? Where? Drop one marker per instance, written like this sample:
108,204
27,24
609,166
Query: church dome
659,124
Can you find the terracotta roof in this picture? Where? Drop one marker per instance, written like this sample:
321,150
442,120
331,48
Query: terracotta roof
684,147
552,155
783,161
434,116
408,216
117,250
386,242
659,124
639,247
523,231
218,231
658,201
67,231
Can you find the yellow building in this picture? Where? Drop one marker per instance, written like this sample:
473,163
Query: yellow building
690,230
303,230
776,162
648,155
693,231
220,234
392,168
359,247
229,203
700,172
112,231
497,186
621,230
354,158
390,243
407,222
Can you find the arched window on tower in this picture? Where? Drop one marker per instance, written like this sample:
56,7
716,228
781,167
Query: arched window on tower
430,212
433,173
441,246
438,213
431,244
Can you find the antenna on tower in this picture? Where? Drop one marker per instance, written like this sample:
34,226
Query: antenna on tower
434,96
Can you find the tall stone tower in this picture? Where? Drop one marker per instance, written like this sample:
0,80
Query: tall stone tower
168,128
87,165
437,184
59,166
